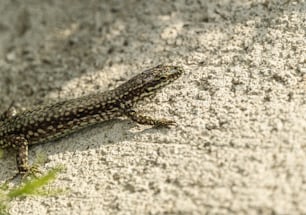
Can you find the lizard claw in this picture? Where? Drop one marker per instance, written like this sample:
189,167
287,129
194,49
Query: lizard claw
31,171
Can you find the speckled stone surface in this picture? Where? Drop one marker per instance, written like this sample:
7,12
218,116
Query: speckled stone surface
240,143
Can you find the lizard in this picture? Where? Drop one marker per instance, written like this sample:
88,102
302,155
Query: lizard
52,121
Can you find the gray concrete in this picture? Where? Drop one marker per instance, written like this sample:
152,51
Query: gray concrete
240,143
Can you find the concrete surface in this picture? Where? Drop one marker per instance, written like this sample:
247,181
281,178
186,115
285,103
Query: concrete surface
240,143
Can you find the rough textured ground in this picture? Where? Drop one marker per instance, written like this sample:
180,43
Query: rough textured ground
240,143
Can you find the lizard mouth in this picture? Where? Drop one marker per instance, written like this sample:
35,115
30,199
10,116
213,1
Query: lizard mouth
176,72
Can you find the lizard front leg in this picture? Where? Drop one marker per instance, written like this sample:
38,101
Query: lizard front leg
147,120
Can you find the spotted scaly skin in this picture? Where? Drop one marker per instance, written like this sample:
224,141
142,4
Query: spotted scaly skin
50,122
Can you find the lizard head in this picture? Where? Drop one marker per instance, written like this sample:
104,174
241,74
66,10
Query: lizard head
147,83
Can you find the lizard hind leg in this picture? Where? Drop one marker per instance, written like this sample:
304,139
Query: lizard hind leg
11,111
22,155
20,143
